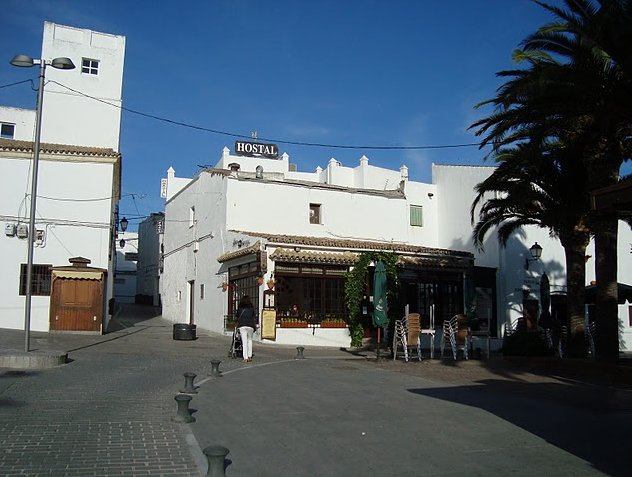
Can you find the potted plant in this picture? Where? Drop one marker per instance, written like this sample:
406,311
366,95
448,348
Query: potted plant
225,286
260,280
333,323
270,282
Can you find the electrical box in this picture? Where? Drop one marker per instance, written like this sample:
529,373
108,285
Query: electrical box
23,231
9,230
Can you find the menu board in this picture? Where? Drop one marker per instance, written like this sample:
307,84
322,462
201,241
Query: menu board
268,324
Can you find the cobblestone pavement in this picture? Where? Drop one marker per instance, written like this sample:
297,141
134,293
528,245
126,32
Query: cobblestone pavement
109,412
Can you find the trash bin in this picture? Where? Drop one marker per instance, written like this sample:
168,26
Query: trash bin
184,331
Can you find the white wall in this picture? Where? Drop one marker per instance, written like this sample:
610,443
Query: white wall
148,265
125,274
182,264
70,117
24,120
73,228
254,206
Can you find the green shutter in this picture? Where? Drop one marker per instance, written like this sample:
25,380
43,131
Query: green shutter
416,216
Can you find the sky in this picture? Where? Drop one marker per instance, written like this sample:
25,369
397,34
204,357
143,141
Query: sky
365,73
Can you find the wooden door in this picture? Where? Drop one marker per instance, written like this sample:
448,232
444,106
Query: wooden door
76,305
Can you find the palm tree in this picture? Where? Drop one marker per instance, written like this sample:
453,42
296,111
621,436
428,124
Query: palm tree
536,185
573,92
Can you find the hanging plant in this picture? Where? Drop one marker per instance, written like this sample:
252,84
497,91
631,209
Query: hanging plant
354,288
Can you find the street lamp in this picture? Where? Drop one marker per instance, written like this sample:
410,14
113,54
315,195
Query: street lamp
24,61
536,253
124,222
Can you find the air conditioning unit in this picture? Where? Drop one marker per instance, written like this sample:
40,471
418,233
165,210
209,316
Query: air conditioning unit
23,231
9,230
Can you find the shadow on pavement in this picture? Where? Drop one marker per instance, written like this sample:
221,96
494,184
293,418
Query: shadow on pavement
582,420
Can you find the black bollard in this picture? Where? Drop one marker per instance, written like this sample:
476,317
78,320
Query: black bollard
299,352
183,415
216,455
189,388
215,368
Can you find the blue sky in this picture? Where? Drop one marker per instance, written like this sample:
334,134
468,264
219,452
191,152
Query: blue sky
339,72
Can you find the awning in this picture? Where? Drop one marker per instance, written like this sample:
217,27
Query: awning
242,252
311,256
81,275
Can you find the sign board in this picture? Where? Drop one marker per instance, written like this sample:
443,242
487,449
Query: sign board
160,227
256,149
268,324
163,188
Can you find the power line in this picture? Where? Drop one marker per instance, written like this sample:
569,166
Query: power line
18,82
280,141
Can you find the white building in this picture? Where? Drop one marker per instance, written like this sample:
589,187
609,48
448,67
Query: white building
251,216
125,269
78,181
149,266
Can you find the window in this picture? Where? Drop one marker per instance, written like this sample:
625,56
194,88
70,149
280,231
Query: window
317,290
7,131
416,216
40,280
131,256
90,67
202,291
192,216
314,213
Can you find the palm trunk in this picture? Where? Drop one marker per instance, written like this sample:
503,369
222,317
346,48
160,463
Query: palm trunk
575,251
607,316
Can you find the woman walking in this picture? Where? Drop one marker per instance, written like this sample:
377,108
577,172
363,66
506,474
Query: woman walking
246,326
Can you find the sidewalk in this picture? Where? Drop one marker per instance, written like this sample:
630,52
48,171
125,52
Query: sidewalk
110,412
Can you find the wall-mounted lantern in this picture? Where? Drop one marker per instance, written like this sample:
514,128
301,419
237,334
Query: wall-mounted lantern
536,253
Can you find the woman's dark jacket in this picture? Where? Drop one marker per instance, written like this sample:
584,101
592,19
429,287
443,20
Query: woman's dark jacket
245,317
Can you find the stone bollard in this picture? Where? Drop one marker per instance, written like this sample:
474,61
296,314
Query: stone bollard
189,388
183,415
216,456
299,352
215,368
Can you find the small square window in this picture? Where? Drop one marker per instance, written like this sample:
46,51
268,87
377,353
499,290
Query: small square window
90,67
7,131
416,216
314,213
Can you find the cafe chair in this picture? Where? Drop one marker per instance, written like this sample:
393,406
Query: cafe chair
428,328
407,334
456,334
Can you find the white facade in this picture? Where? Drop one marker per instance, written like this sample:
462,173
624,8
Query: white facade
219,213
22,120
230,215
125,270
79,170
74,117
149,266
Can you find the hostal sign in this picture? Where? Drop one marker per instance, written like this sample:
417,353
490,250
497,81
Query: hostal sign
243,148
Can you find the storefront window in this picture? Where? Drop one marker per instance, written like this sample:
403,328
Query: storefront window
243,281
311,292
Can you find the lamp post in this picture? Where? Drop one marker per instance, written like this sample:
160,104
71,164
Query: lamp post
25,61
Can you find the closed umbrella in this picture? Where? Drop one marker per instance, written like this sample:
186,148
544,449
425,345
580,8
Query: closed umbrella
380,302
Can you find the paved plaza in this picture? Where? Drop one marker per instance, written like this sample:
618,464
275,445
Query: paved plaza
110,411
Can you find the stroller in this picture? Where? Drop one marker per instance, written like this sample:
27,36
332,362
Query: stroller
236,348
